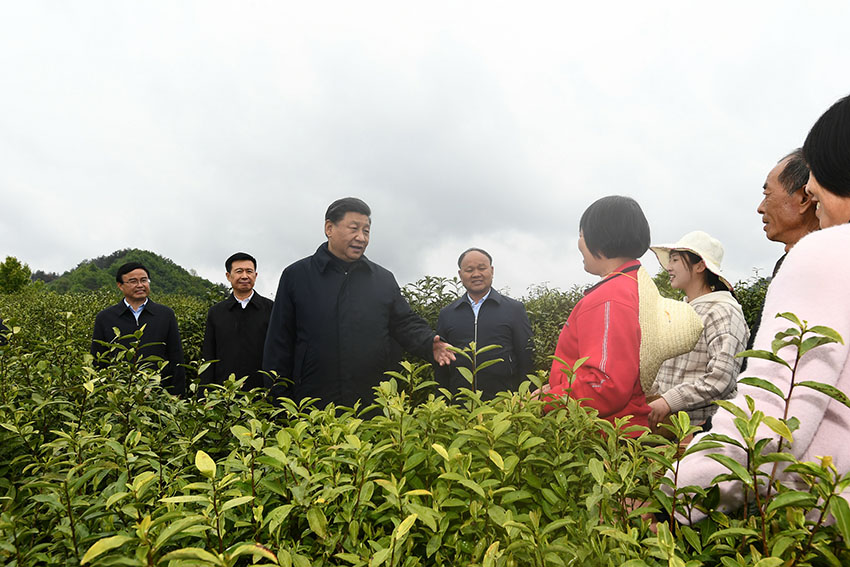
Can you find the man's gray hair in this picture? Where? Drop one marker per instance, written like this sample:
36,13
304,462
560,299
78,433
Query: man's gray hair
795,175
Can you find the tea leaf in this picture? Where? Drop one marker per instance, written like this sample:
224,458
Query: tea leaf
840,510
596,470
175,529
103,545
254,549
404,526
189,553
779,427
827,389
380,557
827,332
318,522
763,384
732,532
205,465
814,342
737,469
236,502
763,354
792,498
497,459
440,451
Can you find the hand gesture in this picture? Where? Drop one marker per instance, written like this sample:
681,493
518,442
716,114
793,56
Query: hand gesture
442,355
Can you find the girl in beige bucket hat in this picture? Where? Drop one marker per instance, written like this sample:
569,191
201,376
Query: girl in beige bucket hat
692,381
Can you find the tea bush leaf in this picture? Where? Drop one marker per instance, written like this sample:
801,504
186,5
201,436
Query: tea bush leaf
404,526
779,427
794,498
104,545
380,557
204,464
236,502
277,516
189,553
763,384
813,342
734,466
318,522
732,532
827,389
175,529
497,459
440,451
840,510
185,499
254,549
596,470
764,354
827,332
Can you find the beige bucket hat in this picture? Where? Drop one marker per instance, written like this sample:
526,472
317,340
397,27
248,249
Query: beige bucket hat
668,328
700,243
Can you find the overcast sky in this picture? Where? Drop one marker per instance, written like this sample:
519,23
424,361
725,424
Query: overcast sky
196,129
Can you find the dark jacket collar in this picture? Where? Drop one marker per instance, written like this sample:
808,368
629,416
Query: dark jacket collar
150,307
324,258
464,299
233,302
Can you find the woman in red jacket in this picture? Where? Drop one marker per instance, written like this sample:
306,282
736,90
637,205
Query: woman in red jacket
603,326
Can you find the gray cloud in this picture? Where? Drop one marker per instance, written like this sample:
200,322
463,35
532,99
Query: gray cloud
196,129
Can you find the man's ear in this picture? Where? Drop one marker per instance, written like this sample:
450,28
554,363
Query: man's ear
805,200
328,225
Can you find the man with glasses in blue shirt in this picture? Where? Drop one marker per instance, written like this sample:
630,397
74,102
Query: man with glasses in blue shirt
160,337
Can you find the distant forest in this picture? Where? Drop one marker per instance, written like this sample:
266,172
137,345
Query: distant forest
166,276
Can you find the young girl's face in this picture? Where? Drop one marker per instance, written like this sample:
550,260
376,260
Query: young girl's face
680,273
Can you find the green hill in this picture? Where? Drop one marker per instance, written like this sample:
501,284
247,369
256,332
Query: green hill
166,276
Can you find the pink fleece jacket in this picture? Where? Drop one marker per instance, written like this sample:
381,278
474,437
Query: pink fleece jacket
813,284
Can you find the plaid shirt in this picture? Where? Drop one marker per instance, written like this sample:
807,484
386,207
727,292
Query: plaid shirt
692,381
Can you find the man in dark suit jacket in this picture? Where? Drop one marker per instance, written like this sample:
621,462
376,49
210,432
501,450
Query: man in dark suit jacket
236,327
486,317
336,314
160,338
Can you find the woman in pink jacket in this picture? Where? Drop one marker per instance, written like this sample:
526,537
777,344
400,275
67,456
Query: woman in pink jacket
813,285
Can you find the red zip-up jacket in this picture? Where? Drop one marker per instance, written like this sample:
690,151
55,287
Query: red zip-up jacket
604,326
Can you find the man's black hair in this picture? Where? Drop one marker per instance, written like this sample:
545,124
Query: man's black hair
795,175
127,268
615,227
238,257
339,207
827,149
468,250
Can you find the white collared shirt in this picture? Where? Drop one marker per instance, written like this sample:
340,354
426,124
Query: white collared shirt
138,312
477,306
244,302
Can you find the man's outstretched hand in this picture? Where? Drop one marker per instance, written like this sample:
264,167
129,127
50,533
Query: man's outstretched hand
442,355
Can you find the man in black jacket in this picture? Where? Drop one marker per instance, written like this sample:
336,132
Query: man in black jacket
486,317
334,315
161,337
236,327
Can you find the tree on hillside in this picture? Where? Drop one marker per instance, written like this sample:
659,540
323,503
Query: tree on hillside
166,276
14,276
